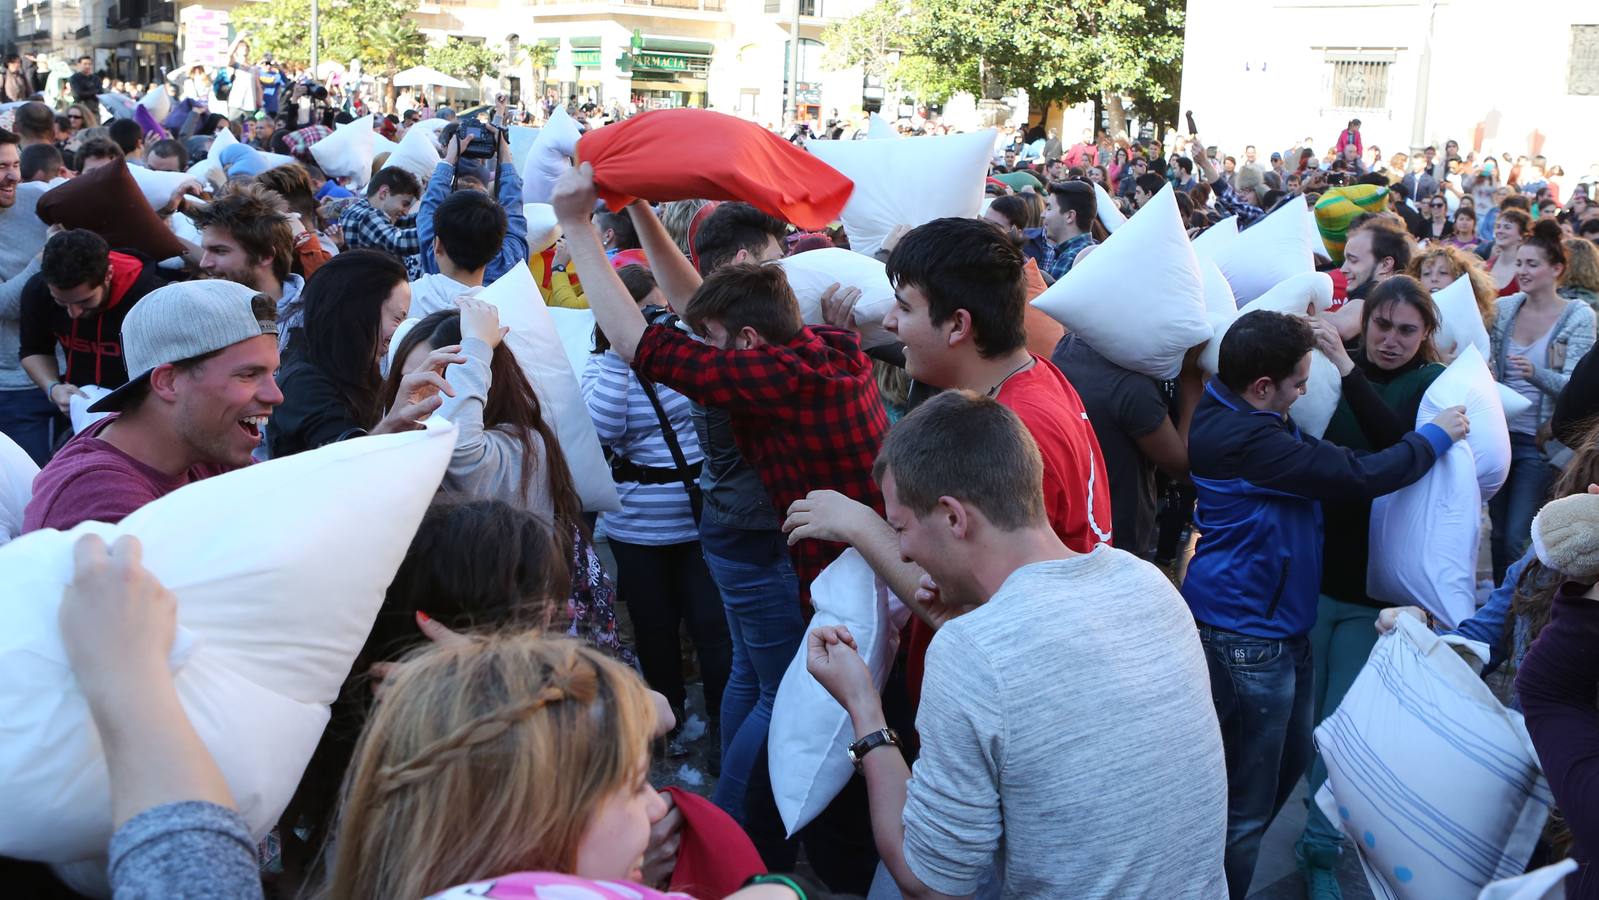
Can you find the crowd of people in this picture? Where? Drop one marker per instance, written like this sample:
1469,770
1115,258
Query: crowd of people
1085,703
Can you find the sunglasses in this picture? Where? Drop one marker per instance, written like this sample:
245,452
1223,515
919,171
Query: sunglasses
74,116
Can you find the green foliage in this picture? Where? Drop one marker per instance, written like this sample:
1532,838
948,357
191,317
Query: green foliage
379,33
1057,52
465,59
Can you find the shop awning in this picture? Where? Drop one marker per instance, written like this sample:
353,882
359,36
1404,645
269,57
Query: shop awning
678,45
584,41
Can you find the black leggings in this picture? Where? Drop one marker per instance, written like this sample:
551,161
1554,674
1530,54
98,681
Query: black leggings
664,586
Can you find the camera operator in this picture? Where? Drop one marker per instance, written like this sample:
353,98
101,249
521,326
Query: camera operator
473,141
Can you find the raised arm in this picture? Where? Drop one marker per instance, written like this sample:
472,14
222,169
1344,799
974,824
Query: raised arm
614,310
672,270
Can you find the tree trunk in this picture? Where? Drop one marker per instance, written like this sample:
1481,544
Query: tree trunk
1118,117
992,89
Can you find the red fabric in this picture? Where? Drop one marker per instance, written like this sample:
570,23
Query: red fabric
630,258
1340,289
682,154
715,856
806,414
1076,489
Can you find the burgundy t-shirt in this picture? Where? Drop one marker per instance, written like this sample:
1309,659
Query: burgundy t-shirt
90,480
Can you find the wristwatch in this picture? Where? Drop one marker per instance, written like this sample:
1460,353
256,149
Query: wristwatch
879,738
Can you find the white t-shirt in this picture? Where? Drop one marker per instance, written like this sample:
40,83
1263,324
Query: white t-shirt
432,293
1069,721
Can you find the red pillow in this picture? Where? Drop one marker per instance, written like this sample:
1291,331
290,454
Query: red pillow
714,857
684,154
108,202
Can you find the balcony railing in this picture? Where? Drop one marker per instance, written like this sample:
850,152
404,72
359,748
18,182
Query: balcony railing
82,32
699,5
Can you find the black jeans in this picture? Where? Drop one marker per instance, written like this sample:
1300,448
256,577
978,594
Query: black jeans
663,587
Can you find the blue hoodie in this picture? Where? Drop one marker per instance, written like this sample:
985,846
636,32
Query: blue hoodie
1257,569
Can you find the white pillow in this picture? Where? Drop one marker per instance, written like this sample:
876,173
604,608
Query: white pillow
521,139
1468,382
542,228
1105,208
1150,270
1422,544
1212,241
1539,884
157,186
415,154
17,471
272,608
910,181
549,155
1318,247
537,345
1461,324
1272,250
157,101
209,170
381,144
576,328
811,273
1220,311
348,151
810,732
878,129
1310,290
78,407
1436,784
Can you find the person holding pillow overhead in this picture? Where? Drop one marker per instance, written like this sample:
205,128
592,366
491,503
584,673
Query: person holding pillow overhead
203,354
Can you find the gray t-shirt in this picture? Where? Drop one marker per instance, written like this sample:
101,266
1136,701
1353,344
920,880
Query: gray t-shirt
1123,406
24,236
1067,726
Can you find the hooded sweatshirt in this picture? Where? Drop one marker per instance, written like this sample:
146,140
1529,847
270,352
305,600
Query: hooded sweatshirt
93,344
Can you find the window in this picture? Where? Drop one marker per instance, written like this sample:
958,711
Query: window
807,7
1359,80
1582,75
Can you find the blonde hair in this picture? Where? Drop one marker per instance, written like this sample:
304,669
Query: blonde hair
90,117
677,216
486,757
1462,263
1582,265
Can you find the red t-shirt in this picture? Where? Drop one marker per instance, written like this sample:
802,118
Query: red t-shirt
91,480
1076,487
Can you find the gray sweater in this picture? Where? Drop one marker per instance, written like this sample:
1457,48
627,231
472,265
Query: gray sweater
1068,731
182,850
488,461
19,260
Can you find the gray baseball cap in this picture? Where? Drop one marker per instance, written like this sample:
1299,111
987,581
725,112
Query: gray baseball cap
181,321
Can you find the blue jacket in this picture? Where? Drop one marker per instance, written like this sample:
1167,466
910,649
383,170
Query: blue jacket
513,251
1257,569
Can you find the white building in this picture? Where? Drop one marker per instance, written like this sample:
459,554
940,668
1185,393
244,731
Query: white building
1520,78
728,55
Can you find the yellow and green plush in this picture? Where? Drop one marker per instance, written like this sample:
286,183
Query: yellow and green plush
1339,206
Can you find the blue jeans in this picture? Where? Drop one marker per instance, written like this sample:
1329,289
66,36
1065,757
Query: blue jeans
1512,509
1262,691
761,594
29,418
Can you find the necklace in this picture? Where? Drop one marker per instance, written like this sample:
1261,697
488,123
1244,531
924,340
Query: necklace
1013,372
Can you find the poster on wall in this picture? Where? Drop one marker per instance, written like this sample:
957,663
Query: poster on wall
205,36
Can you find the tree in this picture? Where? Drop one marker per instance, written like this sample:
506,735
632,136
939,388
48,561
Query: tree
379,33
1056,52
541,56
468,60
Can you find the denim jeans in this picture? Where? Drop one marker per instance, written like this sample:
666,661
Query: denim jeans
29,418
1262,691
1512,509
1339,644
761,594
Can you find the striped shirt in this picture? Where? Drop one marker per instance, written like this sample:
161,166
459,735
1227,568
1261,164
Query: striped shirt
653,514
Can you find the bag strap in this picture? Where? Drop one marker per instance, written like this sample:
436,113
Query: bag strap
670,434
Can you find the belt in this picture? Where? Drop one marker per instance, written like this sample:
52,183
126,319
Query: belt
625,470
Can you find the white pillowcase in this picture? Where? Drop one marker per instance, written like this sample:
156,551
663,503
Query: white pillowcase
157,186
348,151
1436,784
810,732
576,328
550,154
910,181
521,139
1269,252
542,227
157,101
1307,291
416,153
878,129
537,345
1106,210
1539,884
1214,240
1139,298
1468,382
1461,324
811,273
209,170
78,407
17,471
273,605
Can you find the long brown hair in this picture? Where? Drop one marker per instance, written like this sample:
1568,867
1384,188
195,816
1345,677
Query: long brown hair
512,407
1402,290
486,757
1535,589
1462,263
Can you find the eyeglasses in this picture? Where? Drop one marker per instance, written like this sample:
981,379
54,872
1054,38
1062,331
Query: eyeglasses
74,116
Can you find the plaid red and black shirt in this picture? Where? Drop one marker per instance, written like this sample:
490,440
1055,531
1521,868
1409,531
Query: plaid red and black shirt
806,414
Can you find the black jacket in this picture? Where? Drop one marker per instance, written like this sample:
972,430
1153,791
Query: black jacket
314,411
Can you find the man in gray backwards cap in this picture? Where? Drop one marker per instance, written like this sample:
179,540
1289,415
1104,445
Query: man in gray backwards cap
200,358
